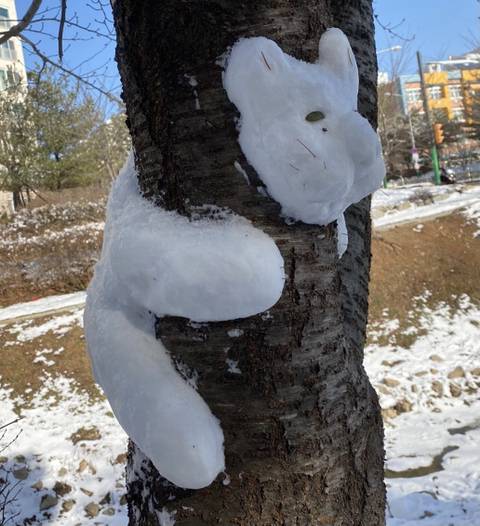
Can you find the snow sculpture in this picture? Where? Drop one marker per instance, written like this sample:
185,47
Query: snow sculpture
155,261
300,128
316,155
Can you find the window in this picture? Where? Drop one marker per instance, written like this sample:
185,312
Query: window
455,91
3,79
8,78
435,92
7,50
4,18
413,94
440,114
458,114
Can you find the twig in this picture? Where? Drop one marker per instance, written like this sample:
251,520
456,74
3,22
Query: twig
47,60
307,148
265,60
61,26
391,29
9,423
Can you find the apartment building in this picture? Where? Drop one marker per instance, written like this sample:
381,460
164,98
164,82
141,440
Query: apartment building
12,62
451,85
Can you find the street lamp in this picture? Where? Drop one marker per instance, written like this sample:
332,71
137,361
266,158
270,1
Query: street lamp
386,50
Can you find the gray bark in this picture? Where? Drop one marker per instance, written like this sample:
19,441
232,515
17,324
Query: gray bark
303,432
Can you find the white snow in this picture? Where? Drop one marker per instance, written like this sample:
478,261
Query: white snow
233,366
215,267
235,333
441,431
241,171
165,518
342,236
395,195
45,448
453,198
58,325
314,166
473,215
44,305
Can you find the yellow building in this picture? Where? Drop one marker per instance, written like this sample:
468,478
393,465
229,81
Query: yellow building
451,87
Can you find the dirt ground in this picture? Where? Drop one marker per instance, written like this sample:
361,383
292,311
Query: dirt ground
54,252
440,256
43,347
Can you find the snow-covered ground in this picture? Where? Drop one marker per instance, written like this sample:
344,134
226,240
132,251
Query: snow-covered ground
429,394
393,206
43,305
66,460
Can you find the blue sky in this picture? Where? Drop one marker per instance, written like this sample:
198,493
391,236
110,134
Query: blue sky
438,28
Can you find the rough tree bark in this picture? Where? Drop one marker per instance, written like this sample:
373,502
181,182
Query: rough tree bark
303,432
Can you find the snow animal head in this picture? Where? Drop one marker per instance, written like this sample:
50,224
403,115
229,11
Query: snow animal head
300,128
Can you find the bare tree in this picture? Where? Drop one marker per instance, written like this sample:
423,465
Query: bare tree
59,21
303,432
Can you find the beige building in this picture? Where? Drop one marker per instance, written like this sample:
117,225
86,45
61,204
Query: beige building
12,71
12,62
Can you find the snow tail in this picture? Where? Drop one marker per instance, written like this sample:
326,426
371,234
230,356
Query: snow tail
164,416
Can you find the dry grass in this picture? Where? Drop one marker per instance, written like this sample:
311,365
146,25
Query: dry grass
49,250
81,194
442,257
64,355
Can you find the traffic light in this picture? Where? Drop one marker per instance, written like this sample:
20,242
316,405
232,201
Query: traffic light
438,132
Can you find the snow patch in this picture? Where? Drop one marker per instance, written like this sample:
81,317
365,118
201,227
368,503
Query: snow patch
44,447
233,366
444,201
432,446
44,305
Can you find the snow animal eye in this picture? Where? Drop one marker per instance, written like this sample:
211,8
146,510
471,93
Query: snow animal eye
315,116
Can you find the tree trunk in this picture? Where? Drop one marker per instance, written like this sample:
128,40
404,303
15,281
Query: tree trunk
303,432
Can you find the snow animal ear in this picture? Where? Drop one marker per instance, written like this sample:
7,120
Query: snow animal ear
254,62
335,53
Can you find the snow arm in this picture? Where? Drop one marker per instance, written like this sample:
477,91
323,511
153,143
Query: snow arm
205,270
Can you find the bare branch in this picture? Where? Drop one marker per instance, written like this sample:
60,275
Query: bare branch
61,26
47,60
3,426
389,28
15,30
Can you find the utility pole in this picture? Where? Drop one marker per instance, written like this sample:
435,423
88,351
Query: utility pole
435,158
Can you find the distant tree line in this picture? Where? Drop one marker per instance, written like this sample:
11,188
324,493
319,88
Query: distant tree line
54,135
